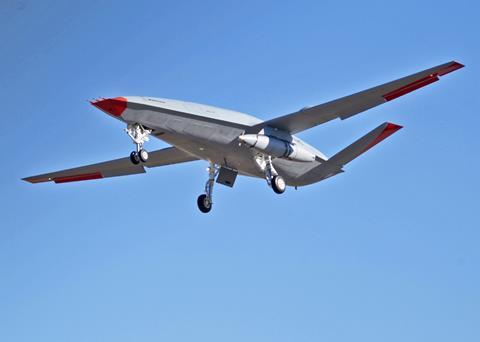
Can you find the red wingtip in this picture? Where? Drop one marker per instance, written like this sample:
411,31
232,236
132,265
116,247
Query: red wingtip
115,106
452,67
422,82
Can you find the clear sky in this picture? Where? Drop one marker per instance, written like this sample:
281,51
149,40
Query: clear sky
387,251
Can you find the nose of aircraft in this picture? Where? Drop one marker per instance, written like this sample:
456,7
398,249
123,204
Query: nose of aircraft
114,106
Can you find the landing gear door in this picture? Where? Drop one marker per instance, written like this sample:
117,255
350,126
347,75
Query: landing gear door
227,176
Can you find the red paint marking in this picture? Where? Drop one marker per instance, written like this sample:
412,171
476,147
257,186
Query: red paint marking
36,180
411,87
77,178
115,106
422,82
452,67
388,131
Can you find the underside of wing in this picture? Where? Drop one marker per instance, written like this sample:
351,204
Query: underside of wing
113,168
348,106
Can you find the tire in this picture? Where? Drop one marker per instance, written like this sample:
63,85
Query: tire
204,204
143,155
134,158
278,184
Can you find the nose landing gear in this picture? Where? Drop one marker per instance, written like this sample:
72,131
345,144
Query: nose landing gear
139,135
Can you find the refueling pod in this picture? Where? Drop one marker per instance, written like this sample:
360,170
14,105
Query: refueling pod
277,147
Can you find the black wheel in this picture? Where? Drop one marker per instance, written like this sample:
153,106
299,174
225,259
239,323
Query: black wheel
134,158
278,184
204,203
143,155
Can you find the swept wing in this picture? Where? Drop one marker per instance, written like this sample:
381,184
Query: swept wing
113,168
348,106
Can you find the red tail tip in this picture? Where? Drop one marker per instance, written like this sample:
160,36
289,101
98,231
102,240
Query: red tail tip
391,127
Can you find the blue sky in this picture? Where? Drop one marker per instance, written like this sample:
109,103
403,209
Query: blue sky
387,251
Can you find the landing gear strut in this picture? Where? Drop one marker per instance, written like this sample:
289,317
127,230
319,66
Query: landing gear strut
274,180
139,135
204,201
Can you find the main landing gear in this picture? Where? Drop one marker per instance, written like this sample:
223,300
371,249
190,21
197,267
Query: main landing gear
274,180
139,135
204,201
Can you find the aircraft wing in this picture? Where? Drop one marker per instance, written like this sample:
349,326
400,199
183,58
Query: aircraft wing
348,106
113,168
335,164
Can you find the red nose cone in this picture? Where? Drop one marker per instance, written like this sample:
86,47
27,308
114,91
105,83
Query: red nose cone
115,106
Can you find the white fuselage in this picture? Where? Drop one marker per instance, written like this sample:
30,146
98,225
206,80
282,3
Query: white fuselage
211,133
